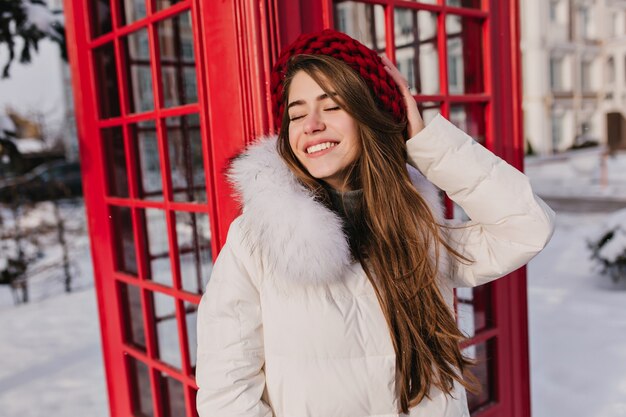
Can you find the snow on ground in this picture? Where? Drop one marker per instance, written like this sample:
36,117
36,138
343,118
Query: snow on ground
50,358
579,174
577,328
577,318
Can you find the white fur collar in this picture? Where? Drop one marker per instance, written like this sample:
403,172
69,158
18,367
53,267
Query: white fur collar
295,235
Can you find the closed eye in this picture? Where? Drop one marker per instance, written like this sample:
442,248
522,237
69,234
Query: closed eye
328,109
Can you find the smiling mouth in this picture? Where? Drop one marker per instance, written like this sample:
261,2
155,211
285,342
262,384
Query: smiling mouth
320,147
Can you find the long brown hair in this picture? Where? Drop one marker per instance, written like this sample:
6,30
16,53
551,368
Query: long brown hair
398,245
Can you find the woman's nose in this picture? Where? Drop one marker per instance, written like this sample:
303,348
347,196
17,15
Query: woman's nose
313,123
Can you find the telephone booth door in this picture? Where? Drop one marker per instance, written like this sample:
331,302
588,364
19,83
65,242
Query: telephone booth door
166,91
155,130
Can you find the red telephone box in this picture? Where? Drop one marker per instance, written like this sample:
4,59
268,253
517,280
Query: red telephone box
167,91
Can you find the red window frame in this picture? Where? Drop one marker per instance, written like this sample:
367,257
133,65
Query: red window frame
130,367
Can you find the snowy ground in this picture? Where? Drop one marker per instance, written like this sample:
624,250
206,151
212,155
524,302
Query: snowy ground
582,173
50,348
577,328
50,358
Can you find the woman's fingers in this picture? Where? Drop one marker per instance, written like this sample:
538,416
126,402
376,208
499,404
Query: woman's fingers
413,115
396,75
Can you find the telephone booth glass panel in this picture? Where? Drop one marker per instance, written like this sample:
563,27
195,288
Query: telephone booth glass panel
156,171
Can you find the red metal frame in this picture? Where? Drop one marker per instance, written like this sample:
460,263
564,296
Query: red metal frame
235,44
98,202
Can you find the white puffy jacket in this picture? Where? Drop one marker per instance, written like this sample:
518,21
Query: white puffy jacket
289,327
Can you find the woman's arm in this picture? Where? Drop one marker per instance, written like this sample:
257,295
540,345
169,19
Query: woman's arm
229,369
509,224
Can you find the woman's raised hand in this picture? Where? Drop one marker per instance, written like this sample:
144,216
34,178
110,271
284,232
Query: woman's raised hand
416,124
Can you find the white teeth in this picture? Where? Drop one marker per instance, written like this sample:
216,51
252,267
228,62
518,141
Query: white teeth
320,147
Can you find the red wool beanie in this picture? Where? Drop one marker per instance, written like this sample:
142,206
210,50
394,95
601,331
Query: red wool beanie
359,57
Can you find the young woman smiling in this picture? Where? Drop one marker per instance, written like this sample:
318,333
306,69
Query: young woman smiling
321,134
333,295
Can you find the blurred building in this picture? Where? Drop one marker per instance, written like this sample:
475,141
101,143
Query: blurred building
574,72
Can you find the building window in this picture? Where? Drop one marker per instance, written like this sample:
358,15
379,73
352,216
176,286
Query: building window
585,133
614,27
556,73
585,128
342,23
610,70
407,68
557,131
585,76
584,15
553,5
554,11
455,73
404,21
402,64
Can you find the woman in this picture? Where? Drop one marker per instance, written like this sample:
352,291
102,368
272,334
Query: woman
332,296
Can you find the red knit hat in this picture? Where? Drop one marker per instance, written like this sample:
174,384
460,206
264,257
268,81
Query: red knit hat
362,59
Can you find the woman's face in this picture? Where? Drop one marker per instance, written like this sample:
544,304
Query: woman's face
322,135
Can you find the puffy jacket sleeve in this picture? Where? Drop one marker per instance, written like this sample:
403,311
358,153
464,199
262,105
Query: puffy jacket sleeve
229,369
508,224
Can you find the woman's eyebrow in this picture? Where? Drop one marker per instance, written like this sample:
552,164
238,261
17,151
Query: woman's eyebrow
318,98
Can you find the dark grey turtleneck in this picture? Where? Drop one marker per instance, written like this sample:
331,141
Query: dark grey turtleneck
348,206
346,203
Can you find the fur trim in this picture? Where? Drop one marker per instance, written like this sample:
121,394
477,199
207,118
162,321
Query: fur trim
278,212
